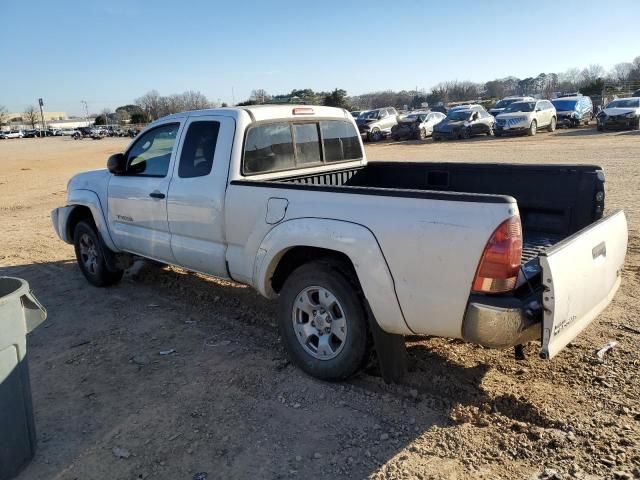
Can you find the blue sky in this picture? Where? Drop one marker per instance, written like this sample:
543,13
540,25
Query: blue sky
113,51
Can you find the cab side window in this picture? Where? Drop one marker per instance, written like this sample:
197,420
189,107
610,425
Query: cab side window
151,153
198,149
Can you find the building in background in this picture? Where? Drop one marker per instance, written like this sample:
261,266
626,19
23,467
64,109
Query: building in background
54,120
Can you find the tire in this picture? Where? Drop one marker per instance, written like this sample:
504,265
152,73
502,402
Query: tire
465,134
600,128
436,138
533,128
395,138
552,125
317,351
374,135
421,135
90,256
490,132
497,134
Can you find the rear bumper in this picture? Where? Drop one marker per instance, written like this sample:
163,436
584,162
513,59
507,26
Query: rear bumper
501,322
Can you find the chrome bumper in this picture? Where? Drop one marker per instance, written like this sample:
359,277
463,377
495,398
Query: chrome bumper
502,326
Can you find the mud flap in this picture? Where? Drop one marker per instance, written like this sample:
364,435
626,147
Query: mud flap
391,351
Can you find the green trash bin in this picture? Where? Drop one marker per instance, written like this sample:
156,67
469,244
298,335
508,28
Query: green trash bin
20,313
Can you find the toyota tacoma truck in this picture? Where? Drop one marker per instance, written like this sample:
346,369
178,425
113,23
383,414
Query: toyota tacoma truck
358,254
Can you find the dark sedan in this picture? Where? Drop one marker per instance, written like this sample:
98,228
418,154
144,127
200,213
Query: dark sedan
620,114
464,123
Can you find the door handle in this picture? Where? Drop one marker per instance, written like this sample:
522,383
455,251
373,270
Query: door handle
156,194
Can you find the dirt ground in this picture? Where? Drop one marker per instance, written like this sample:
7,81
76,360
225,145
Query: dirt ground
227,402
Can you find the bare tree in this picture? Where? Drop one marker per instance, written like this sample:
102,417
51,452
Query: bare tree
30,116
151,104
592,73
260,95
3,115
621,71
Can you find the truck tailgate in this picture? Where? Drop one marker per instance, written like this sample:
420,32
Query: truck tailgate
581,274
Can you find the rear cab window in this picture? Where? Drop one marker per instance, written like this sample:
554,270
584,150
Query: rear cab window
279,146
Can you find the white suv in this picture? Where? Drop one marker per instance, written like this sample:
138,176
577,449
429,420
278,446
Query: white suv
526,117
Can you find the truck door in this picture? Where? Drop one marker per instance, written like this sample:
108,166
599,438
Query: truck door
195,206
137,204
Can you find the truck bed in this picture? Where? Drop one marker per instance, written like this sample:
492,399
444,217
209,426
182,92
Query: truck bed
554,201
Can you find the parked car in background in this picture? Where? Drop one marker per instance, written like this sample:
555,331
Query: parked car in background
573,111
526,117
11,134
620,114
505,102
67,132
418,125
464,123
31,133
636,93
376,124
356,114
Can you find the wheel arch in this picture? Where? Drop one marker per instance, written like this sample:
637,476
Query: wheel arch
295,242
85,204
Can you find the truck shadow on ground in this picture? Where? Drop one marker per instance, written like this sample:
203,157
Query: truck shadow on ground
156,306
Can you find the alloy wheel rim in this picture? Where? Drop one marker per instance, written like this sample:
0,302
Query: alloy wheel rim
88,253
319,322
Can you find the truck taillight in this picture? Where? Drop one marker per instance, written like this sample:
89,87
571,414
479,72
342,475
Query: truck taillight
498,268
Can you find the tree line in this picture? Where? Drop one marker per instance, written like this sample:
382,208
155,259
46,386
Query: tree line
588,81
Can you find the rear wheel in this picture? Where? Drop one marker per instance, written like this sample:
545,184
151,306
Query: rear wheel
90,256
466,133
552,125
533,128
323,322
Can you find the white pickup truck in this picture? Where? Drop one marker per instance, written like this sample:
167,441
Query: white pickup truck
282,198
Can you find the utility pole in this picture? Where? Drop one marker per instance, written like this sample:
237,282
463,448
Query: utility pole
86,111
41,103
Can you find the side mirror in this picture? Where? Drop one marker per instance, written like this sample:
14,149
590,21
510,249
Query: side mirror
117,164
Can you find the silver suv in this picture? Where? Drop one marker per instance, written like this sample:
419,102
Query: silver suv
526,117
376,124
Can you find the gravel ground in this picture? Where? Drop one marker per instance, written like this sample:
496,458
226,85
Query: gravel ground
226,402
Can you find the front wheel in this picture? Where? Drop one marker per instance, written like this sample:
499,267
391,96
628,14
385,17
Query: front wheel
466,133
422,134
552,125
90,257
533,128
375,135
323,322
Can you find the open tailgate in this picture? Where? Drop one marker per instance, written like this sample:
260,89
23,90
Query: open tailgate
581,274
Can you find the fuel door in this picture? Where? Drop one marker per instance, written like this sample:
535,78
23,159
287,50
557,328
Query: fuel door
276,210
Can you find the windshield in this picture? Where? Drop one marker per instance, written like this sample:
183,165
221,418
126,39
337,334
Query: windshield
505,103
459,115
372,115
625,103
564,105
521,107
